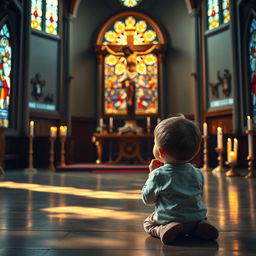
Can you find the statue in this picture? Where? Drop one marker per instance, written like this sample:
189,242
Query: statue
224,81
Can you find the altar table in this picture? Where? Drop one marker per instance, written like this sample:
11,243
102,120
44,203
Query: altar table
129,146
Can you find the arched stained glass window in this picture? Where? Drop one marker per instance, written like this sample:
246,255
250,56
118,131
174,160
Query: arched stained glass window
218,12
44,15
138,34
5,75
252,65
130,3
36,14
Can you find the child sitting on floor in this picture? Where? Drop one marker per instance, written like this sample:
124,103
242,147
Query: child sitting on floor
175,186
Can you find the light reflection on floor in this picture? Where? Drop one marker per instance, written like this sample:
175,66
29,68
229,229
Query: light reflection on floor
126,194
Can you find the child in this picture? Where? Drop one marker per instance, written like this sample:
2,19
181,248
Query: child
174,186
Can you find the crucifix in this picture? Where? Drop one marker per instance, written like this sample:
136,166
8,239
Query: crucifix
129,77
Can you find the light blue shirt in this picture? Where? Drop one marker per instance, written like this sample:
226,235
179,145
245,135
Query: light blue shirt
176,190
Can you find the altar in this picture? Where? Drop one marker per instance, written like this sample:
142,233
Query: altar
136,147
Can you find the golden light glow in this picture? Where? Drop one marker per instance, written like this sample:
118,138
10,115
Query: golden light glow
73,191
79,212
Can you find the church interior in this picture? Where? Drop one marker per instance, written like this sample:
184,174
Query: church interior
83,84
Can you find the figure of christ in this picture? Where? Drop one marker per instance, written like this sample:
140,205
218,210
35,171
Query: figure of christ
129,78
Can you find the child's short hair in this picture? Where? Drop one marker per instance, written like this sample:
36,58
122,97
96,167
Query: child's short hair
179,137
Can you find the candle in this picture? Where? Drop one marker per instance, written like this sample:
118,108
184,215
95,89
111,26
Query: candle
249,123
236,145
219,138
63,130
53,131
111,122
101,122
205,129
148,121
232,157
31,128
229,148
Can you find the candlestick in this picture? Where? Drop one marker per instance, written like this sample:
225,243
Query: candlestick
53,131
62,157
148,124
250,157
51,159
63,130
232,172
30,168
220,167
205,132
31,128
219,138
205,152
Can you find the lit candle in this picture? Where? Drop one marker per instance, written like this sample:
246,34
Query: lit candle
63,130
31,128
249,123
219,138
236,146
232,157
101,122
111,121
229,148
205,129
148,121
53,131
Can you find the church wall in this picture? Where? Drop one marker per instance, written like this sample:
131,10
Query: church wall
171,15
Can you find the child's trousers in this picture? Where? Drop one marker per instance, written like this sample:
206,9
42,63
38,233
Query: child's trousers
156,229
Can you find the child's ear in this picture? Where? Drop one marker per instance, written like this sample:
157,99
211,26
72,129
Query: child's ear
162,152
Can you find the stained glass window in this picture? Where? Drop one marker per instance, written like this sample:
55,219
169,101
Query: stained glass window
218,12
213,14
142,34
36,14
5,75
130,3
252,60
44,15
51,17
225,11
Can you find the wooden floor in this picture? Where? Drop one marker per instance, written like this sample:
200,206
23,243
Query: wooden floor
102,214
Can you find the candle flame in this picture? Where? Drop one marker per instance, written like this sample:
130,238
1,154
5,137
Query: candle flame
31,123
248,117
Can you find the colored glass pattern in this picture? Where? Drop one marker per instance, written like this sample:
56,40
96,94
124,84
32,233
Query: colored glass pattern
252,60
5,75
36,14
226,11
213,14
146,85
130,3
142,33
51,17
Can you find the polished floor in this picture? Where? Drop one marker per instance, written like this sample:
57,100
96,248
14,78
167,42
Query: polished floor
88,214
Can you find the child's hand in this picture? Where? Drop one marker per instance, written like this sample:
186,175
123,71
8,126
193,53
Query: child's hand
154,164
